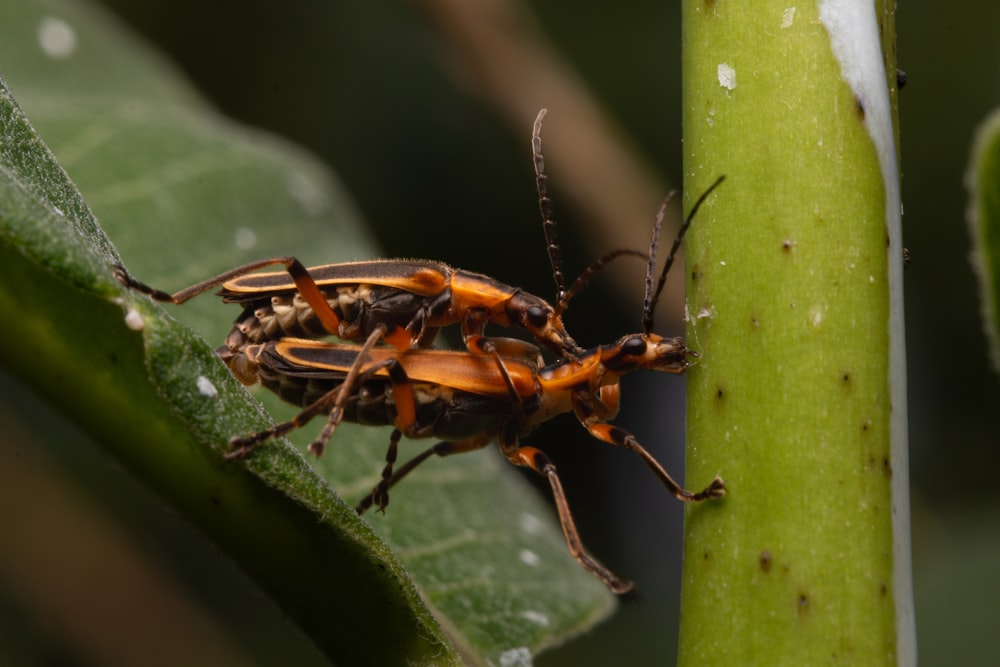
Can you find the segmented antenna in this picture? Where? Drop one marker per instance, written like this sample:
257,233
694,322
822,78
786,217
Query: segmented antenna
591,271
545,207
649,303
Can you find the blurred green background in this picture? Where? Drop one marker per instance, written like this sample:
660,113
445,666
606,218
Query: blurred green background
432,143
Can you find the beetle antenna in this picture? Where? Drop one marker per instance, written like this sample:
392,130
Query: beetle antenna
545,207
649,304
591,271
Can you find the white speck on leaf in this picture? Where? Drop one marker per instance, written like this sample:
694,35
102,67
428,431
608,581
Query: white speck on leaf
133,320
206,388
529,557
535,617
56,38
308,193
530,524
516,657
245,238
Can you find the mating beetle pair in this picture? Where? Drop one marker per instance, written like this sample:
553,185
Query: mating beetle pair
496,390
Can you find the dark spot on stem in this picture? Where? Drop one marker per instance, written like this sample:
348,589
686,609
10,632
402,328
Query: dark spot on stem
766,561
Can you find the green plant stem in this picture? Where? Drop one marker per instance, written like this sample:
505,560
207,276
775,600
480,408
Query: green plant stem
793,271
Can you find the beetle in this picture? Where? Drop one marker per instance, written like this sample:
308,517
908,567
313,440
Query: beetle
402,301
249,361
466,401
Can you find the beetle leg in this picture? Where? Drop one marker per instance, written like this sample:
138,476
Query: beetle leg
189,293
380,494
354,377
406,417
240,447
304,282
530,457
313,295
484,345
445,448
420,332
515,348
332,402
619,437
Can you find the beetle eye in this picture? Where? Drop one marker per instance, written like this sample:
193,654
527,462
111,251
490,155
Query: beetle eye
537,316
634,346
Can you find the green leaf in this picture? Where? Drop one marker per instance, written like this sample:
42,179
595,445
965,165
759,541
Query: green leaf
138,394
184,194
984,226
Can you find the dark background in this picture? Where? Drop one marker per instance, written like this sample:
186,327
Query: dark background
439,170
